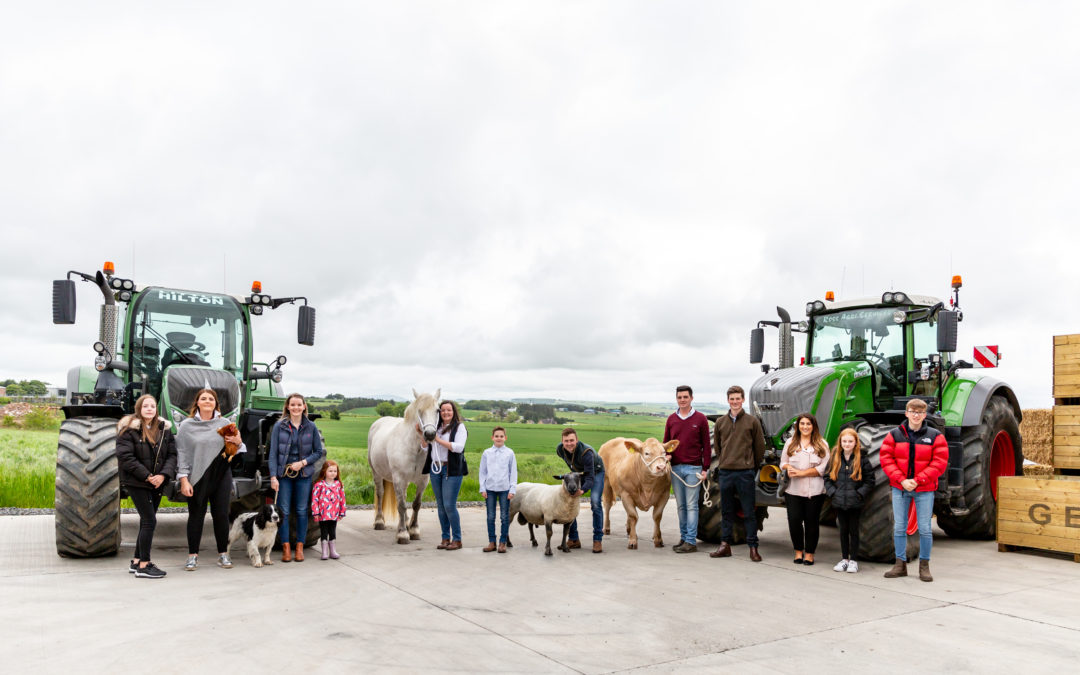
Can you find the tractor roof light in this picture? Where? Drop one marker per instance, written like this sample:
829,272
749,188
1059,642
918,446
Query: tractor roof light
124,296
99,347
814,307
829,296
256,309
957,282
108,268
894,298
256,287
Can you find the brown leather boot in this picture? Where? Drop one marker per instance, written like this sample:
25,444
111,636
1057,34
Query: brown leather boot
722,551
299,552
597,547
754,555
490,547
897,570
286,553
573,543
502,547
924,570
442,544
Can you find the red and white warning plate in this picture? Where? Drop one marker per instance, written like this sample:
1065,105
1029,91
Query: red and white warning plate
986,357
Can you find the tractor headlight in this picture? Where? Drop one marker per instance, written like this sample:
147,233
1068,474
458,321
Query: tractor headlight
809,308
99,347
129,285
99,362
888,298
256,309
125,296
901,298
899,316
276,375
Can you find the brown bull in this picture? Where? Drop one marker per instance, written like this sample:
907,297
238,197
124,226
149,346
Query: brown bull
640,475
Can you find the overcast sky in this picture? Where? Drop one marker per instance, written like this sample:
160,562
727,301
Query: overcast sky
580,200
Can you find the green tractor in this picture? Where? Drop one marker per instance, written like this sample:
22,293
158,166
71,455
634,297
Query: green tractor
864,360
169,343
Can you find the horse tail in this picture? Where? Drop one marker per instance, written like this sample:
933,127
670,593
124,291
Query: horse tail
389,499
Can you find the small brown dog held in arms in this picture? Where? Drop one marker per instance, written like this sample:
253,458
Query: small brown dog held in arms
230,447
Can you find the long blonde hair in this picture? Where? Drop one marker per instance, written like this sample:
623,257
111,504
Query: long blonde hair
838,459
149,430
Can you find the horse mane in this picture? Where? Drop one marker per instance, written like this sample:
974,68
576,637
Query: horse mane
422,402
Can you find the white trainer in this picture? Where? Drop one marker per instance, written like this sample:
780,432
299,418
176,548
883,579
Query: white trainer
840,566
853,567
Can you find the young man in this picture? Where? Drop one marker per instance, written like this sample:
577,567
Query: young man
580,457
689,463
913,457
740,446
498,483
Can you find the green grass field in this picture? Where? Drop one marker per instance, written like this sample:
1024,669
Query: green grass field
28,458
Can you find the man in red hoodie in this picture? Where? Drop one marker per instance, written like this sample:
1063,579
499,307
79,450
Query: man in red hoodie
689,463
913,457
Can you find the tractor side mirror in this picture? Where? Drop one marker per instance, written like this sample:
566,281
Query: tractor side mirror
757,345
305,326
63,301
947,322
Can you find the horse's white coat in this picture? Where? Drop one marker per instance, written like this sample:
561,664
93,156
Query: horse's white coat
396,453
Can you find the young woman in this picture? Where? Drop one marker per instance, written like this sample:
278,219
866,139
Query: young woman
848,480
146,453
804,458
447,466
205,475
295,446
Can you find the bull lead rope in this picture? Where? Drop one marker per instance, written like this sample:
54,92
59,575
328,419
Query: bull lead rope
706,500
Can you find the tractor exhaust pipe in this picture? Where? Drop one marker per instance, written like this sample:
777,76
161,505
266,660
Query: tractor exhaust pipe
787,342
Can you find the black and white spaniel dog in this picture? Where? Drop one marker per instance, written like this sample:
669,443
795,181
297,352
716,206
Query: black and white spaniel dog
258,530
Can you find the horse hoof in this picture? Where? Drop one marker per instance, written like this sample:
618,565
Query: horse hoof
535,545
414,535
632,546
403,540
547,552
659,543
380,526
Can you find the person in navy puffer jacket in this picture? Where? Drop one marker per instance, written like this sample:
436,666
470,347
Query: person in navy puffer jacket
295,447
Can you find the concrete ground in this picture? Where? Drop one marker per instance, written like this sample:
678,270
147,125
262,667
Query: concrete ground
385,607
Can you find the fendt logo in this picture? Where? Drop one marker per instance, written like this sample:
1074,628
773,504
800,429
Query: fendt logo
197,298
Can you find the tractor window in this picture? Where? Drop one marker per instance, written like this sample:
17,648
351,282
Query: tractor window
869,335
177,327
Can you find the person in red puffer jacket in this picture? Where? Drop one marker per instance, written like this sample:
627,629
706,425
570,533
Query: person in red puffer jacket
913,457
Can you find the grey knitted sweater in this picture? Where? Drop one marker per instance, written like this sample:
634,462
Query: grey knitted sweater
197,443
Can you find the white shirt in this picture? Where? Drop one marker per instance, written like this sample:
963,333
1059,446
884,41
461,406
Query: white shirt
687,415
439,452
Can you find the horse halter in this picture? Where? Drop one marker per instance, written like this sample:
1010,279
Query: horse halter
436,465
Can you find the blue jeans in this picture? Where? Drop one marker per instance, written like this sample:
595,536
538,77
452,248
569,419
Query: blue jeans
738,484
294,497
502,499
446,489
924,508
686,499
596,500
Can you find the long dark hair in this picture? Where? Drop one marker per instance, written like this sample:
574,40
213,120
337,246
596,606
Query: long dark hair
816,440
455,420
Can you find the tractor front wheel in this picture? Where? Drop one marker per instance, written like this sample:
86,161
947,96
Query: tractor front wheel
87,500
991,449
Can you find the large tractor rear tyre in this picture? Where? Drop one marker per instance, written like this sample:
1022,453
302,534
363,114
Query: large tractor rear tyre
991,449
876,524
87,500
710,519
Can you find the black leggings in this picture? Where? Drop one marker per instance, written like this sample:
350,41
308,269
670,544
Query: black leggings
218,492
146,503
848,520
803,515
328,529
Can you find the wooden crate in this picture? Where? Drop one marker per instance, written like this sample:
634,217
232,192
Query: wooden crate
1041,513
1066,366
1067,437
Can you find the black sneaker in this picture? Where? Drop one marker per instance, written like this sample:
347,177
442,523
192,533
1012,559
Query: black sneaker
132,567
149,572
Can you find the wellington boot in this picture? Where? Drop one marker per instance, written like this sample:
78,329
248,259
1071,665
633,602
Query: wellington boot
286,553
897,570
924,571
299,552
333,549
324,547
